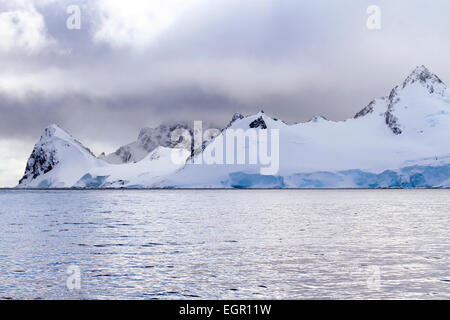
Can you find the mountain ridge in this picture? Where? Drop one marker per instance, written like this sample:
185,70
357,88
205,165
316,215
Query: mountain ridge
391,133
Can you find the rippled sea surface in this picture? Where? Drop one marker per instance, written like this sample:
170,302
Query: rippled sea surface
277,244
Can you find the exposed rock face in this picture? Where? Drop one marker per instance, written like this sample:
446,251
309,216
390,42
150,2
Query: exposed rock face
43,158
365,111
391,120
148,140
420,79
258,123
427,79
393,123
237,116
318,119
40,162
409,127
151,138
53,146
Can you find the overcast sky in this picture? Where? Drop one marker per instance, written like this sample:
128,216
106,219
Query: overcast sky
139,63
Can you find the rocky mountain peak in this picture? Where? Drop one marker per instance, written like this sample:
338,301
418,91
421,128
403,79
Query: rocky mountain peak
258,123
46,154
421,75
318,119
52,131
420,78
237,116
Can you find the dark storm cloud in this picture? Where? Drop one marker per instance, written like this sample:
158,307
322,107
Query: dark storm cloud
294,59
107,118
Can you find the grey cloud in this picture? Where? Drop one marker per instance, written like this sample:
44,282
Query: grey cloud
115,119
294,59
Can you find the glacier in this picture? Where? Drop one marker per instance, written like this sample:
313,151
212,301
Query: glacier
406,178
396,141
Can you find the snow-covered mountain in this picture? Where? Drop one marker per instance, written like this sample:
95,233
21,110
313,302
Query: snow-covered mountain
57,161
60,161
400,140
148,140
147,172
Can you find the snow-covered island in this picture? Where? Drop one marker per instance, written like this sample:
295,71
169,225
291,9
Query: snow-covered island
398,141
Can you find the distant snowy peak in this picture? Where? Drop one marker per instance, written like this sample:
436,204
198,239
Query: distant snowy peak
255,121
418,103
422,76
237,116
420,82
148,140
419,94
370,108
54,131
318,119
245,122
54,147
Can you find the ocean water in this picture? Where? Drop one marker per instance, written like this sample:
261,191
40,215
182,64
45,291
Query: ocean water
236,244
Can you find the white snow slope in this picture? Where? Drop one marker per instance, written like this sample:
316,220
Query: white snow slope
153,168
57,161
401,140
60,161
